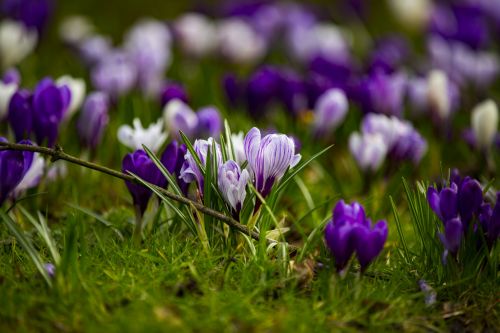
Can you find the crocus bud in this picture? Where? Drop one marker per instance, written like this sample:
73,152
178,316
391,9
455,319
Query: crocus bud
171,91
114,74
173,159
152,137
7,90
331,109
369,150
190,171
93,119
269,157
16,42
178,116
77,92
13,167
209,122
21,114
237,147
232,183
438,94
484,120
142,166
196,34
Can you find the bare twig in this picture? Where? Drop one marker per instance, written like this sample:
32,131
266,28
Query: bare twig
57,153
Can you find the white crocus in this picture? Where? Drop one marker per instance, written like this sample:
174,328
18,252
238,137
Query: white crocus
438,93
75,29
135,137
232,183
414,14
239,42
16,42
197,35
238,147
484,120
369,150
6,92
32,177
77,88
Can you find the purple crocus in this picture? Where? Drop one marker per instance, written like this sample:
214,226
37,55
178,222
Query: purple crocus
490,220
190,172
39,113
455,206
173,159
93,119
209,122
13,167
351,231
33,13
178,116
331,109
262,88
115,74
232,88
269,157
171,91
232,183
142,166
389,54
382,93
11,76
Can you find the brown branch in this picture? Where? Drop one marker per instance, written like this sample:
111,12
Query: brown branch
57,153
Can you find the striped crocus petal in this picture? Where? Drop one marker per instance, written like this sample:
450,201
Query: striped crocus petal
232,183
269,158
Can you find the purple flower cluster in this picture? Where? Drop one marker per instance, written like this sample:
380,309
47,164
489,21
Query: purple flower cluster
459,206
40,112
383,137
350,231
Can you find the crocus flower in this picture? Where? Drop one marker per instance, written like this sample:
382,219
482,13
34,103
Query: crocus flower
142,166
178,116
269,157
381,92
115,74
93,119
7,90
389,54
262,88
173,159
237,148
16,42
148,44
232,183
440,95
293,92
33,14
13,167
331,109
412,13
196,34
209,122
490,220
190,172
369,150
75,29
32,177
455,206
238,42
95,48
50,102
350,231
11,76
171,91
484,121
152,137
50,269
77,91
20,114
232,88
402,140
